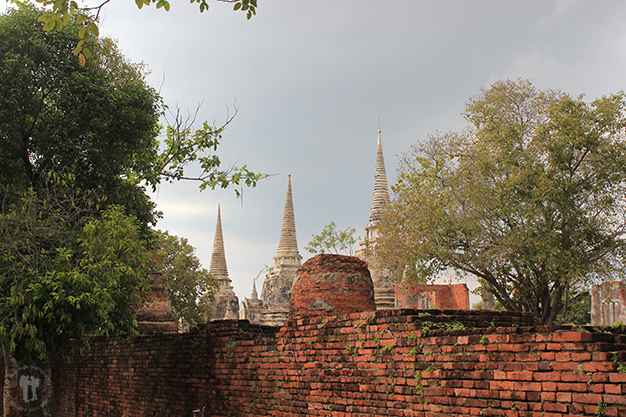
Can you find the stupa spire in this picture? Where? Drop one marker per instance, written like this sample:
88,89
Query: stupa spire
279,280
218,258
288,244
380,198
254,295
225,304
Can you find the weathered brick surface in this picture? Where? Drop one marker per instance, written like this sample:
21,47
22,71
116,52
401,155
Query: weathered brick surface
454,297
396,363
156,314
331,285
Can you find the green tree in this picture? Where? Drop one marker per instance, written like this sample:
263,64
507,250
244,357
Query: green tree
78,146
331,240
97,122
529,198
66,273
185,277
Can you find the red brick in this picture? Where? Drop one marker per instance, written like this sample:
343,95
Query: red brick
599,367
547,376
571,387
617,378
549,386
571,337
333,376
587,398
601,356
520,376
502,385
554,407
564,397
575,377
613,389
615,399
342,282
564,366
554,346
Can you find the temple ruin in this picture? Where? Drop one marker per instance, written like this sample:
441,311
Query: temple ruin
273,307
226,304
384,277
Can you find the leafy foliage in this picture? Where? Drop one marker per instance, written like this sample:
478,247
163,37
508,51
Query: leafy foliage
185,277
65,274
331,240
78,146
183,146
60,14
530,198
97,122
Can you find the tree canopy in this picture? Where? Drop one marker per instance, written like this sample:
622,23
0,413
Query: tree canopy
78,147
529,198
97,122
59,14
187,280
331,240
66,273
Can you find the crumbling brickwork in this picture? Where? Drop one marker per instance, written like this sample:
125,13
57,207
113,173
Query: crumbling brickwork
156,315
445,297
394,362
608,303
332,285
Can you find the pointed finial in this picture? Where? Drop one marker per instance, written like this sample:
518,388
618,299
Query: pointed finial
381,191
218,266
288,244
254,295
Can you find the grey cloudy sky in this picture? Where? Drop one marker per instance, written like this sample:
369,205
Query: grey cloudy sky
312,78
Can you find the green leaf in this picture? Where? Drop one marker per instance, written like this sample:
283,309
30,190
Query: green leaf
48,25
93,28
45,17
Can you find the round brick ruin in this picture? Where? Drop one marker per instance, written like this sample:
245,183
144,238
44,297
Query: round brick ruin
331,285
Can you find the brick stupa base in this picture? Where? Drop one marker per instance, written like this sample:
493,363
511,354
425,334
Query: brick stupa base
155,316
331,285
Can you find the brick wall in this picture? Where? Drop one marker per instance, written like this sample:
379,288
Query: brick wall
608,303
445,297
396,363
